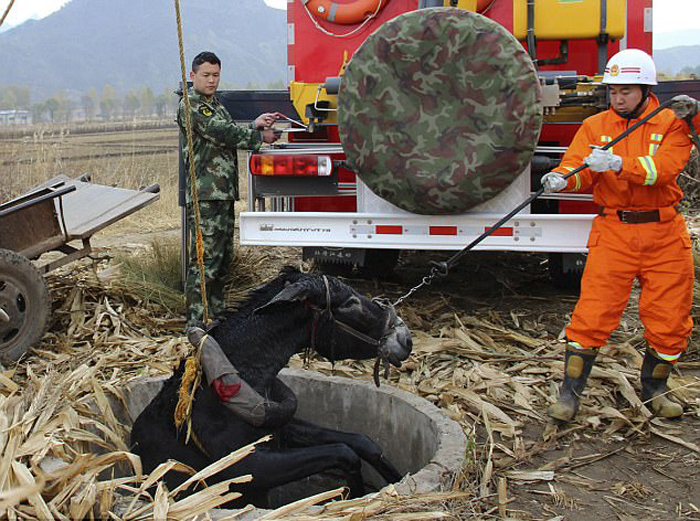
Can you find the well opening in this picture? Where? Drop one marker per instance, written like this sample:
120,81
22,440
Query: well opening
423,444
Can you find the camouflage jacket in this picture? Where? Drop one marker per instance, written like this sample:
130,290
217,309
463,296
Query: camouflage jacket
215,140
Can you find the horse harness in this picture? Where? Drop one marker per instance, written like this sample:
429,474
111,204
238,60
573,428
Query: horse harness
389,327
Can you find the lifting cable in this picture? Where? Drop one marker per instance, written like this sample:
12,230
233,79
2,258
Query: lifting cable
193,374
442,268
7,11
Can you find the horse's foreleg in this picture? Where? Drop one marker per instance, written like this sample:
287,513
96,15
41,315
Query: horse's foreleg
300,433
273,467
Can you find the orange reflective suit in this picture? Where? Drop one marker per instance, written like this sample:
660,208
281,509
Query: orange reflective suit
696,122
658,254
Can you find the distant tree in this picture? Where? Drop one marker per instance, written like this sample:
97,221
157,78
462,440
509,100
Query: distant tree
166,102
132,103
38,111
15,97
251,85
24,97
108,102
89,103
88,106
148,100
52,106
8,99
62,107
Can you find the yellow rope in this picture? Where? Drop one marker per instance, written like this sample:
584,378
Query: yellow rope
188,386
7,11
193,370
190,148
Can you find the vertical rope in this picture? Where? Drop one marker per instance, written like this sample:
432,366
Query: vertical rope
193,373
190,148
7,11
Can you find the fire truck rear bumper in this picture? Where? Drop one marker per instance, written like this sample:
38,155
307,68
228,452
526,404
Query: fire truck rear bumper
533,232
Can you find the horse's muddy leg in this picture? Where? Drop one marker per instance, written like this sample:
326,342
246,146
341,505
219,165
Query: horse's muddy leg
300,433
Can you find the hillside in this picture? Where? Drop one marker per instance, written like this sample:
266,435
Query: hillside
132,44
674,59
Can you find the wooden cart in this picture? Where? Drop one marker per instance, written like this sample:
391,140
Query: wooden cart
48,219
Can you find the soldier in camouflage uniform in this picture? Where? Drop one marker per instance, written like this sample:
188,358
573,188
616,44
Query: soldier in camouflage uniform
216,139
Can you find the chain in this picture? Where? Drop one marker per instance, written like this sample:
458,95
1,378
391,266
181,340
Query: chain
427,281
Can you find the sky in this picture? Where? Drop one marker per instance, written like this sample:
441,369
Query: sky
670,16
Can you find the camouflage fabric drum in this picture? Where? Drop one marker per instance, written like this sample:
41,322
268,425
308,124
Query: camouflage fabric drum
439,110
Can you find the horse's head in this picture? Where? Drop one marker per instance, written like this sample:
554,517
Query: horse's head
347,324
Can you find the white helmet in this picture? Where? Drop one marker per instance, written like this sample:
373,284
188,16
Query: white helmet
630,67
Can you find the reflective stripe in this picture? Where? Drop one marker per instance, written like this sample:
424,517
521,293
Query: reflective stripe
668,358
605,139
575,345
577,186
657,137
653,148
650,168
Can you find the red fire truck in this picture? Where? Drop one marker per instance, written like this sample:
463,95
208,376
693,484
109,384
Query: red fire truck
300,194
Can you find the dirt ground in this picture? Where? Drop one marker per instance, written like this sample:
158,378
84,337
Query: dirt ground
624,475
617,477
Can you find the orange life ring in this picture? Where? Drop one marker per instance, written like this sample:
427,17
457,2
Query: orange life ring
344,14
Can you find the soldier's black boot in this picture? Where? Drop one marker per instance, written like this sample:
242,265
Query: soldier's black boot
655,394
577,366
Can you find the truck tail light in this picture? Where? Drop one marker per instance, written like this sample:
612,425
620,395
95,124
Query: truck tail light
290,165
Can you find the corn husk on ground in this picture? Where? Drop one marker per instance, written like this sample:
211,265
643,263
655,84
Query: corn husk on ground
495,373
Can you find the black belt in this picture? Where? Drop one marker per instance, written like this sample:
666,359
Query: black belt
629,217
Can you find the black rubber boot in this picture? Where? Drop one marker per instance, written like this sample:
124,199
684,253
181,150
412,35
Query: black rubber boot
577,366
655,394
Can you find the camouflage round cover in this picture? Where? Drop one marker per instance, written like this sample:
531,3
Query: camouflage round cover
439,110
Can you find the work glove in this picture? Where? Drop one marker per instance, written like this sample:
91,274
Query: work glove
603,160
553,182
684,106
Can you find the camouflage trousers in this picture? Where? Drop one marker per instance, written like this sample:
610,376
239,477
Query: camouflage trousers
217,224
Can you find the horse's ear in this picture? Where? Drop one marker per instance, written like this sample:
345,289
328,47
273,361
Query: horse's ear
296,292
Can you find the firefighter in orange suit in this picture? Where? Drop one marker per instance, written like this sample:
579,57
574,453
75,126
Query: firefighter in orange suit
638,234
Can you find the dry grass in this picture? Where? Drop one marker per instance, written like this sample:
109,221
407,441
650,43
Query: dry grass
155,275
489,371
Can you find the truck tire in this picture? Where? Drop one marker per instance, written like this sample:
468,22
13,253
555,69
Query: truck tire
24,305
566,269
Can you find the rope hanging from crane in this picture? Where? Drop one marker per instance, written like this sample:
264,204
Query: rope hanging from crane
7,11
193,370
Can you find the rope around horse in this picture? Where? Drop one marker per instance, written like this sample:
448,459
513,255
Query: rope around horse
193,368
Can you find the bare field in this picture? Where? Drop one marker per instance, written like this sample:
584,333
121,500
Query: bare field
127,159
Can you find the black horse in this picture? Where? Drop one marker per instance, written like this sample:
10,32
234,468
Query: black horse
293,312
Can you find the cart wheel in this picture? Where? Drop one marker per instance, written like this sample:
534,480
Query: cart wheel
24,305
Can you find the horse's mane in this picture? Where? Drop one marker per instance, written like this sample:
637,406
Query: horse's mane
262,294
